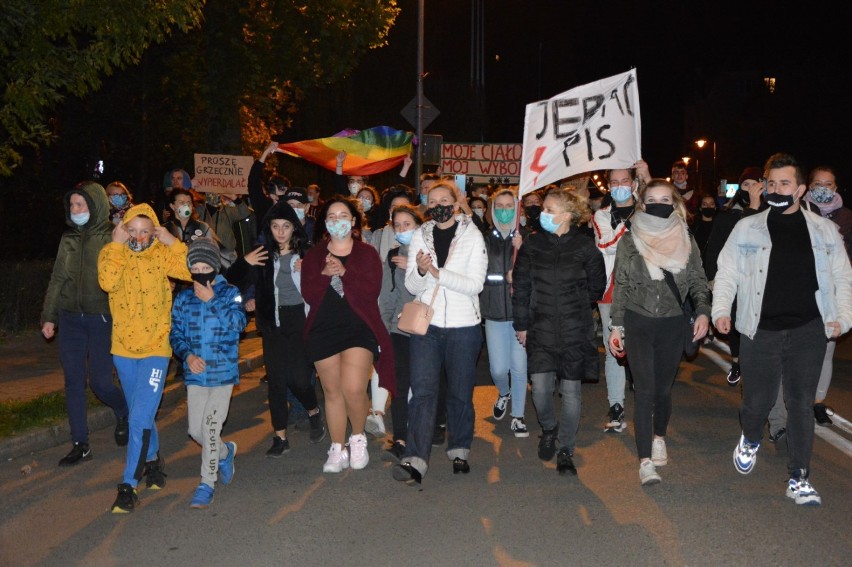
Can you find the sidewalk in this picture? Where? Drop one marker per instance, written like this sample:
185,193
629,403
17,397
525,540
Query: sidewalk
30,367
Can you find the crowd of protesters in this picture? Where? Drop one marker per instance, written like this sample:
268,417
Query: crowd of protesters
768,272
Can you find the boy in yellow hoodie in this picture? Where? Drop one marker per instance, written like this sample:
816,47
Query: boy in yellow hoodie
134,269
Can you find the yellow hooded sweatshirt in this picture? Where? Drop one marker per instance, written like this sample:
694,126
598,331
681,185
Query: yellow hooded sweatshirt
140,297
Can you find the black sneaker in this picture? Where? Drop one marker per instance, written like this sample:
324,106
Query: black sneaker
439,435
126,500
317,429
615,422
547,444
565,462
122,431
279,447
821,413
79,452
155,476
394,453
774,438
500,406
733,377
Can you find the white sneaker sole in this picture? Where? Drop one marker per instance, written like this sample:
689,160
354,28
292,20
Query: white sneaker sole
375,428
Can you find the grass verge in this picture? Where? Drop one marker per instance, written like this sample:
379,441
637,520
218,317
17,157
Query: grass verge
45,410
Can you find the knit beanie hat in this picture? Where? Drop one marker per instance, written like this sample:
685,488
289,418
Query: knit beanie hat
205,250
751,173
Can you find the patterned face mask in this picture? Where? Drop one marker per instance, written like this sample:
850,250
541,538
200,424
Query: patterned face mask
821,194
441,213
137,246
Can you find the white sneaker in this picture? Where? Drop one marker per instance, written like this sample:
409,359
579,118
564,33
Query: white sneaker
375,425
659,456
338,459
648,474
519,428
800,490
358,451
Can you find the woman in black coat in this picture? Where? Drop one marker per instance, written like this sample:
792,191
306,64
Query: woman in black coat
558,275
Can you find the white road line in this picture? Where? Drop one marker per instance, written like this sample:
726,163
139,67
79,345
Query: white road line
842,423
720,361
833,438
723,346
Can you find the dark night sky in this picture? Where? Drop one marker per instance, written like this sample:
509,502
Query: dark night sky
700,68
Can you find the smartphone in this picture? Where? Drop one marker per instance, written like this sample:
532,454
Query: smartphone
461,182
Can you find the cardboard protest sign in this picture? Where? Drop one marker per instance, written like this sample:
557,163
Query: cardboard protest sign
591,127
482,162
216,173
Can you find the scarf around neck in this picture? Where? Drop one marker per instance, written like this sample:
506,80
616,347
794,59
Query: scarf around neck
826,208
663,243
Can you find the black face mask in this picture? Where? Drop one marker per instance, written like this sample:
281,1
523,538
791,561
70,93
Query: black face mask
204,279
779,203
532,212
708,211
661,210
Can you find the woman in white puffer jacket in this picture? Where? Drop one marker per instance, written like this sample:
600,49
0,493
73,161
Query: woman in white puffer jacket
447,259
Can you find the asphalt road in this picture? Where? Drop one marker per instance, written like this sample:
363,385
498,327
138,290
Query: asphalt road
511,510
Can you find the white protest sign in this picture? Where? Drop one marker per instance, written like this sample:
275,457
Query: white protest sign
216,173
482,162
591,127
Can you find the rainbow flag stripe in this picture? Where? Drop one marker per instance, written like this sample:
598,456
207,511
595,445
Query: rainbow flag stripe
367,152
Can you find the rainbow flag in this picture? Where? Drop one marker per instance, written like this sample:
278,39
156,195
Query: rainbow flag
367,151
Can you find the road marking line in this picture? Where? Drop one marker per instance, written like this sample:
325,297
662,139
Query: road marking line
717,358
842,423
833,438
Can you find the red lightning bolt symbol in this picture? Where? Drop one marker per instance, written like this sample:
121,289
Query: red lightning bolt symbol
536,166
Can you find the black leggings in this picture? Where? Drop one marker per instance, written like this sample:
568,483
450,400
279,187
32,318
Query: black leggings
399,403
654,349
287,366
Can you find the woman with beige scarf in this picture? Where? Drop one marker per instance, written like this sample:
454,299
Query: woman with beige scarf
647,318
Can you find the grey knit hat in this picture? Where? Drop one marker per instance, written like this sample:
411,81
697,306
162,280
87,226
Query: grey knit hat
204,250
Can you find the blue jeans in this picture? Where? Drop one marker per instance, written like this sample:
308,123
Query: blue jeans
456,351
506,356
85,340
143,381
543,388
613,370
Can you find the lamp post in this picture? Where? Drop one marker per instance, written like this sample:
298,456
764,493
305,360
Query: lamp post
701,143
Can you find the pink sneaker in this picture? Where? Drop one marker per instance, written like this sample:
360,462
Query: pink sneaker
358,450
338,459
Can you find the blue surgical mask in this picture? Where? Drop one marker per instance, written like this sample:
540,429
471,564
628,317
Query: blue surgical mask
80,218
118,200
546,222
404,238
621,193
424,199
338,228
367,204
821,194
300,214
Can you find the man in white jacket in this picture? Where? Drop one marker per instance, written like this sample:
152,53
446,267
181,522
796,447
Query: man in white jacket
791,277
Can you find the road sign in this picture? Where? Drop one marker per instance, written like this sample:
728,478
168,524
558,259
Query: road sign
430,113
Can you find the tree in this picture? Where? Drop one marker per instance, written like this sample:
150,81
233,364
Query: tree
50,49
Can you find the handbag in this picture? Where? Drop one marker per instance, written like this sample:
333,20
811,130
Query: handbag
690,347
416,316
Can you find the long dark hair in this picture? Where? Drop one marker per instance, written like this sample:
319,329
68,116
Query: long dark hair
298,240
321,233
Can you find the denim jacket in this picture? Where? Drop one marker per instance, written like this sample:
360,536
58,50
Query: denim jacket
744,261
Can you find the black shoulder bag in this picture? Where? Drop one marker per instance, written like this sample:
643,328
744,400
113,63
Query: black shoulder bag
690,347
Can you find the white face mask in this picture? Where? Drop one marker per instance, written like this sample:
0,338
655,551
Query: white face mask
354,187
367,204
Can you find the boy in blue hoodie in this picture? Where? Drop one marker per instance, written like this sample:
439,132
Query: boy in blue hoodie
206,324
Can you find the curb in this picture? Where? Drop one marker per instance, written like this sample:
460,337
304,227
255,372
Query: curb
38,439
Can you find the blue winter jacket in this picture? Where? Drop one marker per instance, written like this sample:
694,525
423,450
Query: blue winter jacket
210,330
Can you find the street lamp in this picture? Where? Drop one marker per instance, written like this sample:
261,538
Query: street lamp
701,143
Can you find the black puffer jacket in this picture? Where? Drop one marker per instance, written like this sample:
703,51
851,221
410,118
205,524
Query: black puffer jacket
556,280
495,301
